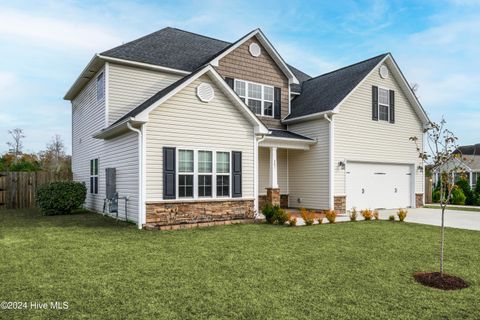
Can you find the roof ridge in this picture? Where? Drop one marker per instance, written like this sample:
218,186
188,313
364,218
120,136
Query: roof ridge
351,65
138,39
200,35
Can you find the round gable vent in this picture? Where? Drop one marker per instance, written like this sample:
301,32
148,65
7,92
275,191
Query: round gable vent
384,72
205,92
255,49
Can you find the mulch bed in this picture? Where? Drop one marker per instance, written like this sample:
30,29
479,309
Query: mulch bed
436,280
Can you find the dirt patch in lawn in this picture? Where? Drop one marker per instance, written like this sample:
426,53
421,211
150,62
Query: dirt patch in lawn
436,280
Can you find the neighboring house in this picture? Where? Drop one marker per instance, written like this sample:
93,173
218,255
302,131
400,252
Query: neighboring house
468,161
200,129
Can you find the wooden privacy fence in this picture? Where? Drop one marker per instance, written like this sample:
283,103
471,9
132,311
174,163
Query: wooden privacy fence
18,189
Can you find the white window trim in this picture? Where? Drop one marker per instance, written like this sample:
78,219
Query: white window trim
382,104
93,175
196,174
246,97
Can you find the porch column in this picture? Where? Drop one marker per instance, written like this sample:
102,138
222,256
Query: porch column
273,168
273,192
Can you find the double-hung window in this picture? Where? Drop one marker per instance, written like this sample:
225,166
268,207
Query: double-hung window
257,96
94,176
205,173
186,173
223,174
383,104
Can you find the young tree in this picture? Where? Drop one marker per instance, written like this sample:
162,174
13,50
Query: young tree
16,145
442,156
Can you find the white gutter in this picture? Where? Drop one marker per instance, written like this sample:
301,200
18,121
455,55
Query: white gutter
318,115
330,160
143,65
141,203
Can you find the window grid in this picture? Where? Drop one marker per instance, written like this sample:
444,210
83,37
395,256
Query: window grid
204,173
186,168
94,176
257,96
383,104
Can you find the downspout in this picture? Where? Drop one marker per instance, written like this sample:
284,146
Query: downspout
255,178
330,160
140,175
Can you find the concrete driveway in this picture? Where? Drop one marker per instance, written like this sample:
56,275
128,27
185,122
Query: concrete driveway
453,218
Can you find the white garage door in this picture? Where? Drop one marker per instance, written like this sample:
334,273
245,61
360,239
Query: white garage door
378,185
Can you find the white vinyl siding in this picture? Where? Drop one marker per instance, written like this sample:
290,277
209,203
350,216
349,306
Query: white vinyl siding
88,117
308,170
128,87
184,122
358,138
264,170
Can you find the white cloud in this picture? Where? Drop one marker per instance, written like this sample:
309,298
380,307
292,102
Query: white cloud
55,33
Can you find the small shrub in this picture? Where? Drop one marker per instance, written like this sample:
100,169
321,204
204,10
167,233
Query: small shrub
280,215
464,185
353,215
391,217
320,220
308,216
331,215
61,197
402,214
292,220
458,197
367,214
376,215
436,196
268,213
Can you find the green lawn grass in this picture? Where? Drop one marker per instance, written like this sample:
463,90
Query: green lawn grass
430,206
111,270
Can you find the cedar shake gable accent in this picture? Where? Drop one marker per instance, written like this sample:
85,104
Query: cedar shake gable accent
240,64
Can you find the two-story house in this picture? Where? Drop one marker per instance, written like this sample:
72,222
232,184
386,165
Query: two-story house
193,129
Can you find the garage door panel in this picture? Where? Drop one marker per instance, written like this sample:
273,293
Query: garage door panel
377,185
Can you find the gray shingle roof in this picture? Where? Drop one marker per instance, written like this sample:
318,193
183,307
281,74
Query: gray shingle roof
178,49
325,92
287,134
469,150
301,76
170,47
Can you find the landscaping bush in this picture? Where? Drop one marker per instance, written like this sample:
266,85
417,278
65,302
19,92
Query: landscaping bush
331,215
458,197
308,216
280,215
353,215
61,197
292,221
436,196
267,211
376,215
467,191
367,214
402,214
391,217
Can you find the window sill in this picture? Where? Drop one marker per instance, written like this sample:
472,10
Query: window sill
188,200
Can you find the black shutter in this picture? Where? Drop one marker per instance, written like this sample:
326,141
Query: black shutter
229,81
392,106
169,173
277,103
375,103
236,174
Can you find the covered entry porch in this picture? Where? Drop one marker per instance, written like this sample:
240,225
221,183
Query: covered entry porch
274,168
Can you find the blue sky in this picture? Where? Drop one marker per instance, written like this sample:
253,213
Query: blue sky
45,45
